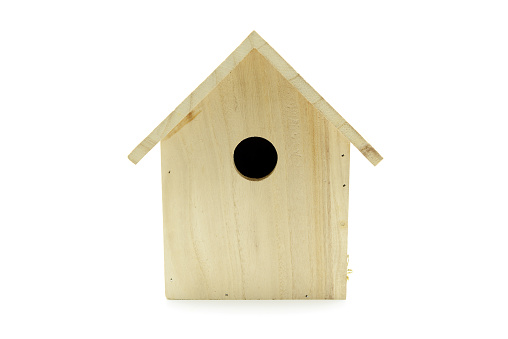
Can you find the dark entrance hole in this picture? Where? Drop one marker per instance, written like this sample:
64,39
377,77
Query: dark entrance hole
255,158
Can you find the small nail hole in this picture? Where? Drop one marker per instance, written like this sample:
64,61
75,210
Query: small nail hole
169,172
344,185
306,296
342,155
226,294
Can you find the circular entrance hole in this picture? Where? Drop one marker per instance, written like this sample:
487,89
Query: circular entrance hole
255,158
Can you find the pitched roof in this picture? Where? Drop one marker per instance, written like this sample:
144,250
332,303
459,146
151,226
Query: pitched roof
254,41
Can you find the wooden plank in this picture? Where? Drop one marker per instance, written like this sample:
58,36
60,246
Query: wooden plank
282,237
254,41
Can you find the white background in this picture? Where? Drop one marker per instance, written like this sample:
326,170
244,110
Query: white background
83,82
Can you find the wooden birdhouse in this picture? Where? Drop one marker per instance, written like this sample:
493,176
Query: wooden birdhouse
255,184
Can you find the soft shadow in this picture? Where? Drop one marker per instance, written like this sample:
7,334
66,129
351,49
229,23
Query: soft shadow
255,306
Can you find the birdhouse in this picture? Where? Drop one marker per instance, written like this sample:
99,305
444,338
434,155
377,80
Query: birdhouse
255,184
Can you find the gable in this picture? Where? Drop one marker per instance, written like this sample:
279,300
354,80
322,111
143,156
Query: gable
254,41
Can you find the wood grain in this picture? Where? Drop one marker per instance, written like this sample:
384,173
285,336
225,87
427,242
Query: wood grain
283,237
254,41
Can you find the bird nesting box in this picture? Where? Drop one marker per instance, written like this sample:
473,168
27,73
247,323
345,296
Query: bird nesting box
255,184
